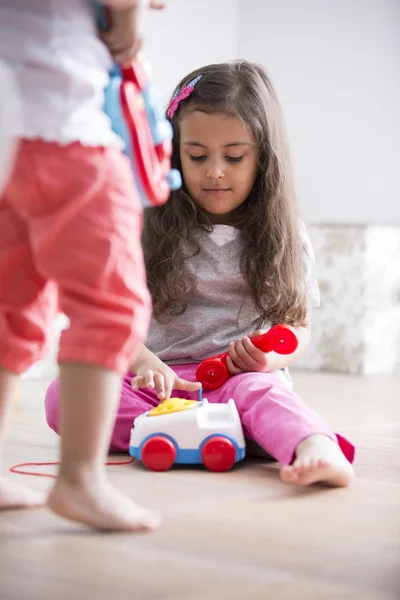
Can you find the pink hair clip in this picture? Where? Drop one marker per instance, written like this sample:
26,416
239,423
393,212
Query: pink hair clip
181,95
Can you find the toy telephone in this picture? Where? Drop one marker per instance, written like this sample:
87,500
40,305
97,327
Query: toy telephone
133,106
213,372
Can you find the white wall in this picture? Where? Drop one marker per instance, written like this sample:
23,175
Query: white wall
336,67
189,34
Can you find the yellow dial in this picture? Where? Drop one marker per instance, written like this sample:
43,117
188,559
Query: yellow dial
172,405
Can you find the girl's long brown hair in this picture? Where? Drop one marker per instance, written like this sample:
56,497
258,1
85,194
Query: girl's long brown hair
268,222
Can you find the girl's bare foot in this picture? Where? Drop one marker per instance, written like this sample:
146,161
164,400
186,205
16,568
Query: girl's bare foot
96,503
318,460
16,495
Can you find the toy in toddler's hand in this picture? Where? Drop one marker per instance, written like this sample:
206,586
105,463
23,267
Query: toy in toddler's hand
213,372
134,108
180,431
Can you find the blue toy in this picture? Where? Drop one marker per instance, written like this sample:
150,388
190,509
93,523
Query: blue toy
133,105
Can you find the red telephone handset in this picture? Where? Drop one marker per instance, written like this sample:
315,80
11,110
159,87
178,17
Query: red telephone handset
213,372
150,147
133,107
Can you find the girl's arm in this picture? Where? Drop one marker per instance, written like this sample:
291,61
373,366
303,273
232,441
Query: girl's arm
245,357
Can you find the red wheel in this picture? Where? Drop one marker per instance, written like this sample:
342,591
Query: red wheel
218,454
158,453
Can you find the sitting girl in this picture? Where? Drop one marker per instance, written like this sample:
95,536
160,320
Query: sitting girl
228,256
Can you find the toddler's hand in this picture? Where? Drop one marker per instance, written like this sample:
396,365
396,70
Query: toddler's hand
244,357
123,39
163,379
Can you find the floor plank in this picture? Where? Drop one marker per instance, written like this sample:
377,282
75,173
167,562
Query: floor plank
238,535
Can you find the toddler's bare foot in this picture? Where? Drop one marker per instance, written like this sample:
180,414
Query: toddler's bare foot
96,503
16,495
318,460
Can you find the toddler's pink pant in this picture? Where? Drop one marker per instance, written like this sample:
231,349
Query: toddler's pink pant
70,226
271,414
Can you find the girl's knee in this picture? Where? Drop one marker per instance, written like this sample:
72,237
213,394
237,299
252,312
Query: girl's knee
52,405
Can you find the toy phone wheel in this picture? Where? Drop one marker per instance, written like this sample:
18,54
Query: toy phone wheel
158,453
218,454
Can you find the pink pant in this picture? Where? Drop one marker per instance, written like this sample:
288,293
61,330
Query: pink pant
70,226
273,416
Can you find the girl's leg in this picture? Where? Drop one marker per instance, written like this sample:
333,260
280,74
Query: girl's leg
319,459
272,415
131,405
289,430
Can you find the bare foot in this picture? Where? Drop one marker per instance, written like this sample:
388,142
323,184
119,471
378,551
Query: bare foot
318,460
16,495
99,505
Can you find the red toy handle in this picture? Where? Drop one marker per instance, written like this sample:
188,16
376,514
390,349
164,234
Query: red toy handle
153,162
213,372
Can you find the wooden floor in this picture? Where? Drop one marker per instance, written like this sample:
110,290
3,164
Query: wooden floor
242,535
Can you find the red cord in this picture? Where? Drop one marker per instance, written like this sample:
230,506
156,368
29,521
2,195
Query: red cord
16,468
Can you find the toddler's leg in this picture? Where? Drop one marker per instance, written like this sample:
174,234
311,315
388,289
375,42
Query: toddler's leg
289,430
27,305
89,397
93,252
12,493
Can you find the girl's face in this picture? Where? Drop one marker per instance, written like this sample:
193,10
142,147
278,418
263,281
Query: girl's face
219,162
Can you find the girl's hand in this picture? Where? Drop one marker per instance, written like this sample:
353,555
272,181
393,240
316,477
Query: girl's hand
244,357
163,379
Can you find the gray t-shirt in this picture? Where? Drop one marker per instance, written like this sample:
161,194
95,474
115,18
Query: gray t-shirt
221,309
